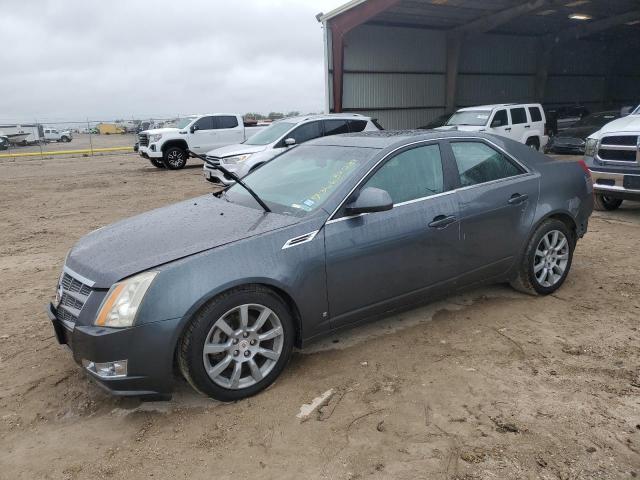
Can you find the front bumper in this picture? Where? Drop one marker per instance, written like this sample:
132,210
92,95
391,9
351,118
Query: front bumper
150,151
625,186
148,350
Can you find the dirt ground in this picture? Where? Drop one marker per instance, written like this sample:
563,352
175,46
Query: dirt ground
490,384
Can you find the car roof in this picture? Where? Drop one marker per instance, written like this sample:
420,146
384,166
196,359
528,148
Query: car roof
494,106
386,138
324,116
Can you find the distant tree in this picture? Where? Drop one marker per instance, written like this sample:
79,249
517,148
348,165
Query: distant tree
293,114
275,115
254,116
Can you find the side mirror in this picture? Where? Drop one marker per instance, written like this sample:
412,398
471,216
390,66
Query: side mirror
370,200
289,141
194,129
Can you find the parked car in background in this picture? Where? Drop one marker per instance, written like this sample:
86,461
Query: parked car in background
327,235
613,156
565,116
55,135
244,157
572,139
4,143
524,123
436,122
169,147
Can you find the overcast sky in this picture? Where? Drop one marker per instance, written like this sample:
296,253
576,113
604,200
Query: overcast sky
73,59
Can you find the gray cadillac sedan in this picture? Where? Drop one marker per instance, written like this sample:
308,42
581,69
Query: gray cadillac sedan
330,234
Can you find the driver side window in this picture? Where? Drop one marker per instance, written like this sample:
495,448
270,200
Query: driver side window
412,174
500,119
205,123
306,132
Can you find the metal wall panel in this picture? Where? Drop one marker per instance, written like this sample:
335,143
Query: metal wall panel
402,119
383,90
377,48
487,89
498,54
583,56
575,89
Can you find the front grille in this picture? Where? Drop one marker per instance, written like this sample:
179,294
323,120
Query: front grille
212,161
629,140
73,295
143,139
617,155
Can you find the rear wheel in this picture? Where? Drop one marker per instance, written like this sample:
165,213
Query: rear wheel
157,162
547,258
65,139
238,344
533,143
175,158
603,202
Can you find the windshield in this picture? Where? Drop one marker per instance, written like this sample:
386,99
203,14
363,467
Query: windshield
270,134
300,180
183,122
477,118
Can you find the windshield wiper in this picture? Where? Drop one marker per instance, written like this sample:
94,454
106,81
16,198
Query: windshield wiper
236,179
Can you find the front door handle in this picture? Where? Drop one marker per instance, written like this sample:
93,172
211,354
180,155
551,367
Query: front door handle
441,221
517,199
527,126
507,129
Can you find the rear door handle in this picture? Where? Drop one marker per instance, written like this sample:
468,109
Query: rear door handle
517,199
441,221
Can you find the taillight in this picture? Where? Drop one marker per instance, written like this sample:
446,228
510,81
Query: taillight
584,167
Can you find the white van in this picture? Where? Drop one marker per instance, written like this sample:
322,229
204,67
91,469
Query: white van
522,122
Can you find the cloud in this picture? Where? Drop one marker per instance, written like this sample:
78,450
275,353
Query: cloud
77,59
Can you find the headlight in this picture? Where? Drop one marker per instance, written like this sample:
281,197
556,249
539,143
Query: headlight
590,147
236,159
121,304
155,137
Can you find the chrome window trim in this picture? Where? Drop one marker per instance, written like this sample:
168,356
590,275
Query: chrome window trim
80,278
426,142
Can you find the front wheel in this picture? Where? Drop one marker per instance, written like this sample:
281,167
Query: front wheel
603,202
238,344
175,158
533,144
546,261
157,162
65,139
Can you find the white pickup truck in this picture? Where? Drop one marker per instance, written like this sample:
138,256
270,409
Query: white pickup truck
168,147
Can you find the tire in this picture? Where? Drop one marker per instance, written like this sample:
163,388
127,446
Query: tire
530,277
604,203
236,347
175,158
157,162
65,139
533,143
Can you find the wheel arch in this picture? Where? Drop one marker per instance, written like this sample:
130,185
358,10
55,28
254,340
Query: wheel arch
561,215
175,143
267,283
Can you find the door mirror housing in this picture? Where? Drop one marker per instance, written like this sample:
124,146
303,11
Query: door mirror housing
370,200
289,142
194,128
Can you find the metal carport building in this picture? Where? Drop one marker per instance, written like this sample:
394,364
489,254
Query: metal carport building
407,61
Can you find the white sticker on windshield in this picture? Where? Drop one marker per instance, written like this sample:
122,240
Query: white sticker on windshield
309,203
483,117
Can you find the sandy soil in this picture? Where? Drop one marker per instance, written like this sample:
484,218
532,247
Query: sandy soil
490,384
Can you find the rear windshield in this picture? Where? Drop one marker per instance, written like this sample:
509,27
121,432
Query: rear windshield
270,134
476,118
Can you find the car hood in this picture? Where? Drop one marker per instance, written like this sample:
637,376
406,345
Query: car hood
237,149
463,128
630,123
156,131
139,243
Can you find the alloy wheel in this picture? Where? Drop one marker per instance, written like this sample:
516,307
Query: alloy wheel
174,158
243,346
551,258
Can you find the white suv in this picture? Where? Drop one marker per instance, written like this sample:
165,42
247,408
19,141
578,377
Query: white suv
522,122
265,145
53,135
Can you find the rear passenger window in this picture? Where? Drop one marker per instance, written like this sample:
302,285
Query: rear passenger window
412,174
335,127
479,163
536,116
518,115
225,122
357,125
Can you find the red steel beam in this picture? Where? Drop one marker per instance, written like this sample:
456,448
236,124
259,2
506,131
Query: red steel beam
340,26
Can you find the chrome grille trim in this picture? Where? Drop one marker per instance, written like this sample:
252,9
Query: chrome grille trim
627,144
74,291
143,139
